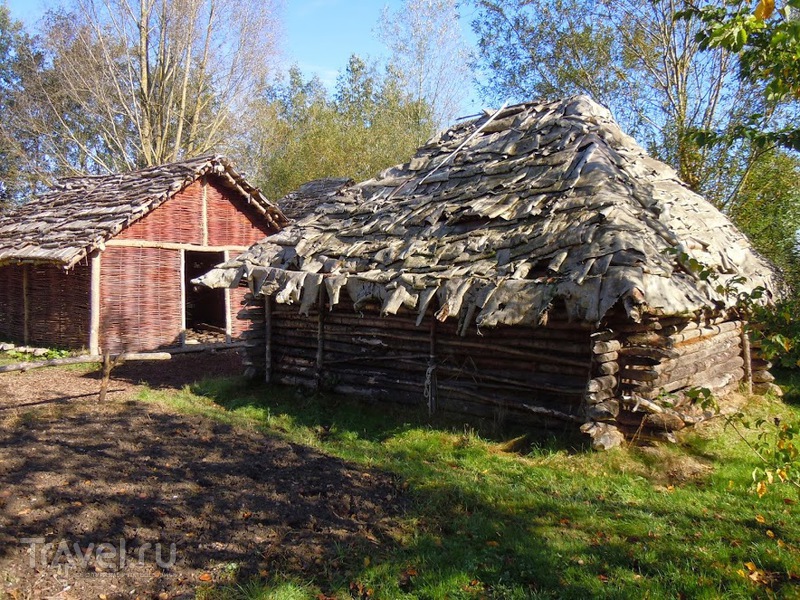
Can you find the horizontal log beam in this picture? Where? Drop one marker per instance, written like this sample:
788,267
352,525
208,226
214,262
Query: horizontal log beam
85,359
606,382
117,243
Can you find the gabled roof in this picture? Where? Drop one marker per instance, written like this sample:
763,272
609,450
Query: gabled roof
305,199
502,215
80,214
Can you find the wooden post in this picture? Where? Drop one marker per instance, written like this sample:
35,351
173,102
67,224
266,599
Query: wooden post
204,211
320,333
747,355
94,304
268,338
183,296
228,312
26,307
431,384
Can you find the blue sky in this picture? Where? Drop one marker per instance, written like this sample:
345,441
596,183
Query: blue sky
319,35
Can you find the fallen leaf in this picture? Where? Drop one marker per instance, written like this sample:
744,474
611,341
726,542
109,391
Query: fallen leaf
761,489
760,519
492,544
205,577
770,533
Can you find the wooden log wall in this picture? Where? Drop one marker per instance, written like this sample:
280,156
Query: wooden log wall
673,355
660,360
762,379
535,375
525,374
600,397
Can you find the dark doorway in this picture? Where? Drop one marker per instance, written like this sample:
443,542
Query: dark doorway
205,308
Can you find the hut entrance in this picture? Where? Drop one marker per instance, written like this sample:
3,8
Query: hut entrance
206,315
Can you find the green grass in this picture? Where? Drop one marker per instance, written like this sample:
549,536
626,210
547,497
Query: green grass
553,522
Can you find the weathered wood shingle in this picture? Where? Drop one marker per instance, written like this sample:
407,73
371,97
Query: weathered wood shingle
80,214
500,216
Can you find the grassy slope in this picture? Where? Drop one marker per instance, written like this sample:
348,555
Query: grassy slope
553,522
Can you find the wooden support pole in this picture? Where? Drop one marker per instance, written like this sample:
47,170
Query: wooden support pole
267,339
26,307
747,355
228,309
431,385
94,304
204,211
320,334
182,255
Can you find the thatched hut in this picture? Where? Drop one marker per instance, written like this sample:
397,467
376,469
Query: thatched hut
531,263
105,262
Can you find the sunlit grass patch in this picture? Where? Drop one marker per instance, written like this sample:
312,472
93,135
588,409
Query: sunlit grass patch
499,520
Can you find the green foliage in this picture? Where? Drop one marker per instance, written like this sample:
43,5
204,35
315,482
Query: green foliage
767,209
19,56
49,354
778,332
298,133
767,46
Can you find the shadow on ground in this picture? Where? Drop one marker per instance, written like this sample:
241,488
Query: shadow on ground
233,502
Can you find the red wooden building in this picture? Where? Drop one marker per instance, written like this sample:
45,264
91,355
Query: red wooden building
105,262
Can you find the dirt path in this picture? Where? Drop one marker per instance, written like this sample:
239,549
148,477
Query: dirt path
184,499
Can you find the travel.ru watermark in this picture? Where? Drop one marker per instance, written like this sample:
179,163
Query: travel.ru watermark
64,556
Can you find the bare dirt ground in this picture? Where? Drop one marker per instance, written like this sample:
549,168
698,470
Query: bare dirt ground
93,497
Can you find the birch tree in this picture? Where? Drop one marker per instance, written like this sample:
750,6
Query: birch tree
430,54
132,83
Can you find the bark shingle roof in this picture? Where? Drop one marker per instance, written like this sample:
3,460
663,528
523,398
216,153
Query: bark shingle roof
500,216
80,214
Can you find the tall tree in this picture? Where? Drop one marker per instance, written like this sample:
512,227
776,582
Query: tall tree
18,57
297,132
132,83
430,54
638,60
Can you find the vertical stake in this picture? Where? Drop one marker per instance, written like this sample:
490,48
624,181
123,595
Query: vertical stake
268,338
